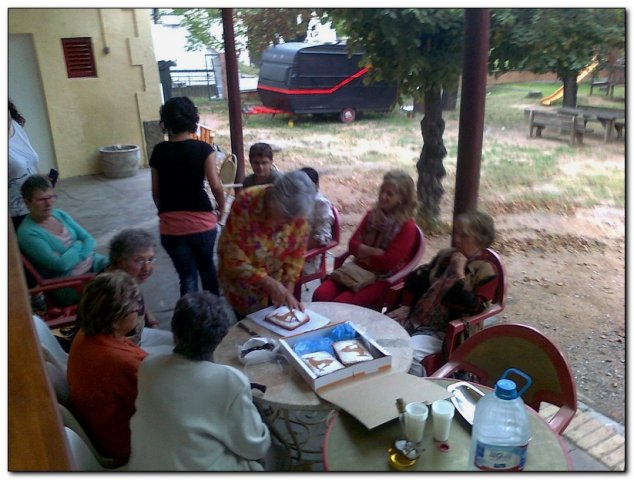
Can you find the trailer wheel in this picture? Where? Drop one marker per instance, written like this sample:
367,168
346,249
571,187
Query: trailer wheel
348,115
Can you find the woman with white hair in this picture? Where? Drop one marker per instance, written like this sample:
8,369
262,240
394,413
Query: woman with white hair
262,247
133,251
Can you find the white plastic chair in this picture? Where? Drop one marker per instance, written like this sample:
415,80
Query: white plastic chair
83,459
59,382
227,174
71,422
53,351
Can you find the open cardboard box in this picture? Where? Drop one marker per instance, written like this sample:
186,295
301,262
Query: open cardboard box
366,390
382,359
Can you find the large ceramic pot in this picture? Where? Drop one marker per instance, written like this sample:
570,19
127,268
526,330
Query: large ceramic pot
118,161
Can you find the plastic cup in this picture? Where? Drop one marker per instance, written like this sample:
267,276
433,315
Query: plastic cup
442,412
415,419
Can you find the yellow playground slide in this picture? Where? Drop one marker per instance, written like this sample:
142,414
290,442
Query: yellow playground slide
548,101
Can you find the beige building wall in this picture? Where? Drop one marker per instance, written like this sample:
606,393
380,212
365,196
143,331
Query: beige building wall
88,113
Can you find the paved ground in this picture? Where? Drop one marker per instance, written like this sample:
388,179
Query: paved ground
105,206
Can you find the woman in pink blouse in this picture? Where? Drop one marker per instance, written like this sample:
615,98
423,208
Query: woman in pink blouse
261,249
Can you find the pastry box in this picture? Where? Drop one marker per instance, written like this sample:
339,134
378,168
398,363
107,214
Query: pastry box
381,358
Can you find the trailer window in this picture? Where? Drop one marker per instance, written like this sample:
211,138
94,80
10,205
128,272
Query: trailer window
333,64
274,72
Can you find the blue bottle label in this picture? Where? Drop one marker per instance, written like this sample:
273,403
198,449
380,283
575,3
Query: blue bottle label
500,458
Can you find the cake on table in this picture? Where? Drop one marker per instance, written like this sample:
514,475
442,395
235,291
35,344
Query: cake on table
285,318
351,352
321,363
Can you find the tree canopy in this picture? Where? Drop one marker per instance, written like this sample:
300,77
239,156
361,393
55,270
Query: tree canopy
417,48
558,40
262,27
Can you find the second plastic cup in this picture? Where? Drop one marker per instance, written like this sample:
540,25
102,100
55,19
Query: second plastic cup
442,412
415,419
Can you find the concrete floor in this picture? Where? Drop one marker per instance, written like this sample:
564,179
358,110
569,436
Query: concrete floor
106,206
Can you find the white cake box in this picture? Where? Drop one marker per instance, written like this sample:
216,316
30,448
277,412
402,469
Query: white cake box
382,359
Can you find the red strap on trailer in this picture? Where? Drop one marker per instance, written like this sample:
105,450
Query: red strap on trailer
262,110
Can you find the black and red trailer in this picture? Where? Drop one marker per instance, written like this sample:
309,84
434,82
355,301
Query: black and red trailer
301,78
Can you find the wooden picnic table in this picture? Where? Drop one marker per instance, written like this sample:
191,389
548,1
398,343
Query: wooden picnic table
606,116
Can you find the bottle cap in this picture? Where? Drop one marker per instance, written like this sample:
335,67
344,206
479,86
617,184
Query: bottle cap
506,389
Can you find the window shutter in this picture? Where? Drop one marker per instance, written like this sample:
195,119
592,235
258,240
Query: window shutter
79,57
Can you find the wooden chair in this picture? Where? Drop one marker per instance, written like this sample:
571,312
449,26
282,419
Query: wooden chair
412,262
54,314
488,353
204,134
319,252
458,330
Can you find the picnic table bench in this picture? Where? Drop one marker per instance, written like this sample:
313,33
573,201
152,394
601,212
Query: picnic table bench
573,125
609,118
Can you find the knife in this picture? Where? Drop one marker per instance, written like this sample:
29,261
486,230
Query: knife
293,314
248,330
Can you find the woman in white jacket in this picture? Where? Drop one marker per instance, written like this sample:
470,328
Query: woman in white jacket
193,414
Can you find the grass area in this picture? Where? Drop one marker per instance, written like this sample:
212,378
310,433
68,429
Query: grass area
517,174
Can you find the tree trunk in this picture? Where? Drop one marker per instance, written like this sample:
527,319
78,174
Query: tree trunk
429,166
450,96
570,90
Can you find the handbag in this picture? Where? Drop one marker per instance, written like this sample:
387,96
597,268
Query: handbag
352,276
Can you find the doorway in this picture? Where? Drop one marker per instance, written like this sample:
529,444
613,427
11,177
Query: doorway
27,93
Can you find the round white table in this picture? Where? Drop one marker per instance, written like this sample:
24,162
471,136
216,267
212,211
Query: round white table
287,391
285,388
350,446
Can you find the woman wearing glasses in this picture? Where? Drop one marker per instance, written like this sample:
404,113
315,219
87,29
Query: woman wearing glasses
133,251
103,363
55,244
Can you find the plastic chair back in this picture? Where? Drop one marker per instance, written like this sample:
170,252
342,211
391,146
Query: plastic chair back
458,330
54,315
488,353
59,382
228,170
83,459
53,351
320,274
71,422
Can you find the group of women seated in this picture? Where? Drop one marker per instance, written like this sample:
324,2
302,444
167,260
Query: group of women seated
179,410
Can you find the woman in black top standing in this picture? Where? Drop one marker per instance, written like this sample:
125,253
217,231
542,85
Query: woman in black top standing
187,220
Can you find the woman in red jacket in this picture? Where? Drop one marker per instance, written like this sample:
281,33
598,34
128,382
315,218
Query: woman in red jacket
381,243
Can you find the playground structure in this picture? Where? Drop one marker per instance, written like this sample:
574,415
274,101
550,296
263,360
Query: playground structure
557,94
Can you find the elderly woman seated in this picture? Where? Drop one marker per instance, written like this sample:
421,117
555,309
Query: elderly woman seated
458,281
56,245
103,363
133,251
261,249
191,413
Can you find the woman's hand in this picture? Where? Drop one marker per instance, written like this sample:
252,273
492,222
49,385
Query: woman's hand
365,251
400,314
458,263
279,294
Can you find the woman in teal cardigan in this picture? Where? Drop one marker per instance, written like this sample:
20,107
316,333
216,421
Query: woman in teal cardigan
55,244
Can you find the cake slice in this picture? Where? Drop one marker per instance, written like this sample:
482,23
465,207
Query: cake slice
351,351
283,317
321,363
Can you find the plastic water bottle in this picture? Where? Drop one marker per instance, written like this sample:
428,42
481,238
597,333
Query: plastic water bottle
501,428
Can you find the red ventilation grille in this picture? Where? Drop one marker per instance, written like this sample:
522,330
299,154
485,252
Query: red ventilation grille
79,57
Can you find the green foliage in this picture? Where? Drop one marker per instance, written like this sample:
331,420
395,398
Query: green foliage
418,48
558,40
265,27
198,22
262,27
